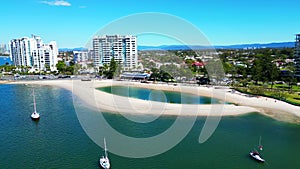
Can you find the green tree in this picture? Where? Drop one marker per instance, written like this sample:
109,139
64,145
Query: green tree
111,69
172,69
104,69
61,66
47,67
290,79
101,70
118,70
7,68
77,67
70,70
155,75
257,68
165,76
264,69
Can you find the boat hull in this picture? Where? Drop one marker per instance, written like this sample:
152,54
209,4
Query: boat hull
104,163
257,157
35,116
35,119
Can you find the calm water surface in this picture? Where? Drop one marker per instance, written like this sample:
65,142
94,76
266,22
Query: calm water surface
58,141
4,60
156,95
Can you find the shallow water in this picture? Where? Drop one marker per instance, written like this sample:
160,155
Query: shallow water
157,95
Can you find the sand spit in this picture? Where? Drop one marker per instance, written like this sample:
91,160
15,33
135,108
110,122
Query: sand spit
243,104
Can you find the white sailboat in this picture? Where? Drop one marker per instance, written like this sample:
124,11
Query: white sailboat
104,161
256,155
35,115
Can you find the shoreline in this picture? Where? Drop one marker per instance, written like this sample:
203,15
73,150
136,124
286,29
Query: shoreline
86,91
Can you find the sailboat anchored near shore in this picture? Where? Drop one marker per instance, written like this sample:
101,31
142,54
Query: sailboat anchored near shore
255,154
35,115
104,161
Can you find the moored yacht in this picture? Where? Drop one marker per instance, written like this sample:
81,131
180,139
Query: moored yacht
104,161
256,155
35,115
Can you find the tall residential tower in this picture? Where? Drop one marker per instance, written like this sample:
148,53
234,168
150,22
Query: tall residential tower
3,49
122,48
33,53
297,56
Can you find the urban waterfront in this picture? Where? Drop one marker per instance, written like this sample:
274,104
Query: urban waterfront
58,141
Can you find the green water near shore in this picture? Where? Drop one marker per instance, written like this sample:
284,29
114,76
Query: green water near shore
157,95
58,141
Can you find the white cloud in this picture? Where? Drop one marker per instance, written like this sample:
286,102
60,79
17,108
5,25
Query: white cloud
56,3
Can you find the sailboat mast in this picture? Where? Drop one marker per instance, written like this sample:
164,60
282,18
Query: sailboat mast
34,104
105,148
259,142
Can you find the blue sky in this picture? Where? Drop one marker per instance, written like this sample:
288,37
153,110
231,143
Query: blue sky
73,22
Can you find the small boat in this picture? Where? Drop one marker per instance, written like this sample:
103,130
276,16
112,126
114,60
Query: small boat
86,79
35,115
256,156
104,161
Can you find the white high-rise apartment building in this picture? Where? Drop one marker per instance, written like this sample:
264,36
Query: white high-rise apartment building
3,48
122,48
80,56
32,52
297,56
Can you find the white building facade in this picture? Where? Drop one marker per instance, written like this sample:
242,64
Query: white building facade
33,53
297,55
80,56
3,49
122,48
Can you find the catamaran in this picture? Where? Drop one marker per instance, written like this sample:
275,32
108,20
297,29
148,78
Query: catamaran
35,115
104,161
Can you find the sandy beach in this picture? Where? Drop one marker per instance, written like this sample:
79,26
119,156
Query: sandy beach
86,91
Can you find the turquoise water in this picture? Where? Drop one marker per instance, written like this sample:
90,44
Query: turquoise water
4,60
156,95
58,141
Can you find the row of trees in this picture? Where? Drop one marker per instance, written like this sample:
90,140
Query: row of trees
4,54
61,67
247,65
263,69
109,71
243,65
161,75
7,68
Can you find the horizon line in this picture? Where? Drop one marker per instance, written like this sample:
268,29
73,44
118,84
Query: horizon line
145,45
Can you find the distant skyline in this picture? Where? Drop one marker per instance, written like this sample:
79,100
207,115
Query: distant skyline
71,23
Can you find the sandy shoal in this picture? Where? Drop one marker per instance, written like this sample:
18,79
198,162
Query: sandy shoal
4,81
243,104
